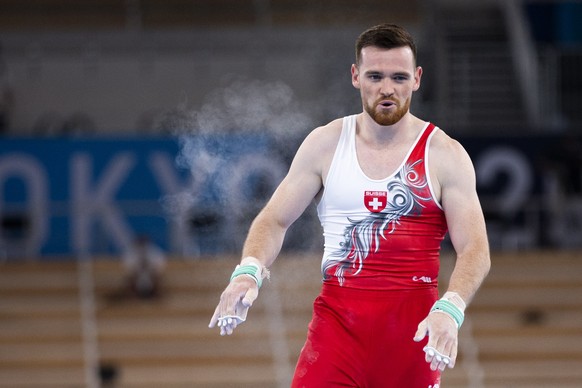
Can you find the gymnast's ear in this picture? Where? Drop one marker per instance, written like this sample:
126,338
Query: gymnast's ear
355,76
417,77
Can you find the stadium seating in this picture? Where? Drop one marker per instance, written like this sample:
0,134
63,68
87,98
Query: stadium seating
522,330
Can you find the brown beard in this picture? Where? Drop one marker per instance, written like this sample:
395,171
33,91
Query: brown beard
389,118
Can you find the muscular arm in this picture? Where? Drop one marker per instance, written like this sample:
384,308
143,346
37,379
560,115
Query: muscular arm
267,232
456,183
465,222
294,194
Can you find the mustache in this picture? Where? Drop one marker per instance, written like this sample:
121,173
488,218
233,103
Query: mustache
384,99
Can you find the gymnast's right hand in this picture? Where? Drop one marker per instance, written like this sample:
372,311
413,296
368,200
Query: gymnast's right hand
234,304
239,295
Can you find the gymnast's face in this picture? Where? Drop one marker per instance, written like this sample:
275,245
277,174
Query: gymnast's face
386,79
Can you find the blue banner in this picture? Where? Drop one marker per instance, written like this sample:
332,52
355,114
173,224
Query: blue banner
197,195
66,196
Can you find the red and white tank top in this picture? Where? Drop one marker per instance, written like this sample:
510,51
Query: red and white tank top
381,234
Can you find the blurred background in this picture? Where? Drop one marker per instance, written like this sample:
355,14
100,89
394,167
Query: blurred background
139,138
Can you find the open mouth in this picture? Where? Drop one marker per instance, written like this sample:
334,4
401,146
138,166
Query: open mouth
387,104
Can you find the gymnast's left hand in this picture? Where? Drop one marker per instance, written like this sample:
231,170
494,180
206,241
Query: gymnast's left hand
441,349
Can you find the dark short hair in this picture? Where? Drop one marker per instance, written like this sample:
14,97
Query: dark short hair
386,36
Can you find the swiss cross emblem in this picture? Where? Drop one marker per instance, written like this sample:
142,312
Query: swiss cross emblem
375,201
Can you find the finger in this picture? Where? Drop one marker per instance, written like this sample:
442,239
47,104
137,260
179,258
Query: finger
450,351
440,344
250,296
447,347
453,355
442,364
446,362
429,353
436,359
421,331
227,325
439,362
435,362
214,318
428,358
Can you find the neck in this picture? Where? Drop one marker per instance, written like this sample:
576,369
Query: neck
403,130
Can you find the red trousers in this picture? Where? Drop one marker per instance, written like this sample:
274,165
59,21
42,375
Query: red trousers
364,339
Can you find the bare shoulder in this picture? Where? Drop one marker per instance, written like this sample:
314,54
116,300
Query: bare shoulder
444,145
319,146
450,158
326,135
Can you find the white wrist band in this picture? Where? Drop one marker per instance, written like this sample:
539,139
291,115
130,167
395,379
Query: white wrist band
455,299
253,268
452,305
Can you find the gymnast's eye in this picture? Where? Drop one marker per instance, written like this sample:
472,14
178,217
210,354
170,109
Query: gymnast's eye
375,77
400,77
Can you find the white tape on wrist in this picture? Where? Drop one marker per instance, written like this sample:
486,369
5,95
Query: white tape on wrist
452,305
252,267
455,299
